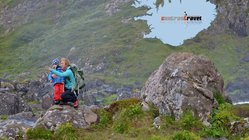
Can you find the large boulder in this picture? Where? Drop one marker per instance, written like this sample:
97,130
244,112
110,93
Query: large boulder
12,104
58,115
184,82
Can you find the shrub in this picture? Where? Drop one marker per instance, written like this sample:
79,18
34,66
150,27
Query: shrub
220,121
167,121
121,104
188,121
126,117
154,110
4,117
104,118
39,133
133,111
219,98
66,132
185,135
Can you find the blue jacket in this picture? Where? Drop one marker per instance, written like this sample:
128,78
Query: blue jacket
68,76
58,79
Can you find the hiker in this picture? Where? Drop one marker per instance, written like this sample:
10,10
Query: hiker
68,96
57,81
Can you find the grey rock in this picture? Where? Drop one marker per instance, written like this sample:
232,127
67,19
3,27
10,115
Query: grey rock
27,118
6,85
184,82
89,99
12,104
47,101
110,90
89,115
125,92
157,122
53,118
239,127
13,129
145,106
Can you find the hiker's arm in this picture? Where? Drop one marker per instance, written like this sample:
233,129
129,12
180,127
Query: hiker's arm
50,76
62,74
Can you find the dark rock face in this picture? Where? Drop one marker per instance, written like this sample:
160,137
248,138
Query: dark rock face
38,89
12,104
239,89
47,101
57,115
232,16
184,82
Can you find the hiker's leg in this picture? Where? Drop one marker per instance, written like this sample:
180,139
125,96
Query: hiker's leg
57,92
68,96
61,90
64,96
72,97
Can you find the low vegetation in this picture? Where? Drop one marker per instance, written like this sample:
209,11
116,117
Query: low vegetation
125,120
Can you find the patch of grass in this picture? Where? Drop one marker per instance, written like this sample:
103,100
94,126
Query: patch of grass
121,104
220,122
133,111
4,3
4,138
39,133
66,132
241,110
105,118
185,135
120,126
4,117
189,122
124,120
219,98
247,11
33,102
167,122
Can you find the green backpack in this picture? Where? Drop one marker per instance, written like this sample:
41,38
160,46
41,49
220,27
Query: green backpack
79,77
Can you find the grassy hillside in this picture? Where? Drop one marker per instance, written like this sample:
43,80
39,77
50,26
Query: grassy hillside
111,48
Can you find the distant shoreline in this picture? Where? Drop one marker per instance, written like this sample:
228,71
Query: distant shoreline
240,103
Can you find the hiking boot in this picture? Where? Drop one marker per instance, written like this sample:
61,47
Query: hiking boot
56,102
70,103
61,103
76,104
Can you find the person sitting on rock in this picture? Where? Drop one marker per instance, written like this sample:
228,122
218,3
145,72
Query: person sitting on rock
57,81
68,96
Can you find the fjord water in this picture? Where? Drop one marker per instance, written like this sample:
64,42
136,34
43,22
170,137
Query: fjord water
174,32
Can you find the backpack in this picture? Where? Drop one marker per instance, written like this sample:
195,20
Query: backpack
79,77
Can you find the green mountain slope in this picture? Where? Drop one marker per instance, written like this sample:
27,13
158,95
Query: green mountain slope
111,48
